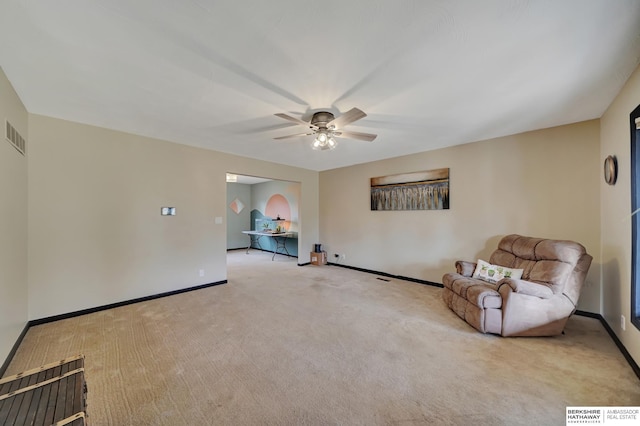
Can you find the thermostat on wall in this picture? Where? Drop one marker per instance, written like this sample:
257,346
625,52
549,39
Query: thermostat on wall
168,211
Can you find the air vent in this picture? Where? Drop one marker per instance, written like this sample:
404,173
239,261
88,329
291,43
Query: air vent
15,138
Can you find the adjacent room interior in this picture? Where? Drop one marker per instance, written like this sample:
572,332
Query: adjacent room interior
262,214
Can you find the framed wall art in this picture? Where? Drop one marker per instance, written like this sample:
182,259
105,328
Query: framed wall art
426,190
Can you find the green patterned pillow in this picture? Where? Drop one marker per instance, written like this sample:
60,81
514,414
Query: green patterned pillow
494,273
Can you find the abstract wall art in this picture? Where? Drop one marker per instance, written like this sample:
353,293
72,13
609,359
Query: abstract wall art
237,206
426,190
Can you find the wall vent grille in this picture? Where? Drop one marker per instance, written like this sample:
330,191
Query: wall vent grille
15,138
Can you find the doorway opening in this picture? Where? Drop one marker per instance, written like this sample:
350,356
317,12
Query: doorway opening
263,216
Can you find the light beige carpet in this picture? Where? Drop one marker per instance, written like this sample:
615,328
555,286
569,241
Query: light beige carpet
287,345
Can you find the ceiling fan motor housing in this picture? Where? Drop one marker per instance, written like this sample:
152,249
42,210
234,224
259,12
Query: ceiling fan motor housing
321,118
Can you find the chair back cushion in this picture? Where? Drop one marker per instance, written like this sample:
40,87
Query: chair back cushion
558,264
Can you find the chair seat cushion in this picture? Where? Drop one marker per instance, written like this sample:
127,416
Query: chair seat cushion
480,293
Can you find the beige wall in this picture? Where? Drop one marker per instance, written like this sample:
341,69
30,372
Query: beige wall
543,183
616,212
95,231
13,222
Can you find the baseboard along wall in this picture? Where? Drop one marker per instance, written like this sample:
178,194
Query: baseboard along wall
46,320
384,274
614,337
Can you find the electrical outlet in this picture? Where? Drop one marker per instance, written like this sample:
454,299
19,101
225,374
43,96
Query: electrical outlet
622,322
201,272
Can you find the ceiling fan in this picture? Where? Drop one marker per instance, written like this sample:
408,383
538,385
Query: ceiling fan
326,127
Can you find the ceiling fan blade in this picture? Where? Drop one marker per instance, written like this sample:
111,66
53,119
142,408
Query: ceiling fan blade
297,135
356,135
295,120
350,116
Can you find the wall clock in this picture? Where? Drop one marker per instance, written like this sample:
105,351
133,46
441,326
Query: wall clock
610,170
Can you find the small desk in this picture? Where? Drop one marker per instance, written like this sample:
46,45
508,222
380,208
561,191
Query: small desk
280,239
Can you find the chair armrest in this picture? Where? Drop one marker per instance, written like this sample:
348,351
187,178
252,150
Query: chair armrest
465,268
526,287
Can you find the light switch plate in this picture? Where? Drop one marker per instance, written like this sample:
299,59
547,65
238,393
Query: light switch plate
218,220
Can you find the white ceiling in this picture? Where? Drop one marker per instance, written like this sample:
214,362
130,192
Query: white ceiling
429,73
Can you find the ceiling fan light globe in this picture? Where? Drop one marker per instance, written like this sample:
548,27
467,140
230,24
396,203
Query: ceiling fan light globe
331,143
319,146
322,137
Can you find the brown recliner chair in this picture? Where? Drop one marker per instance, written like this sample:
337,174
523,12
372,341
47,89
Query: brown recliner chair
538,304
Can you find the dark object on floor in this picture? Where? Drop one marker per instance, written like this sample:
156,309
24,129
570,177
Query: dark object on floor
53,394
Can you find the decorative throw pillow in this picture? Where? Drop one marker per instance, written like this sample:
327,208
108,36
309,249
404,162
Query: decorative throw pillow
494,273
